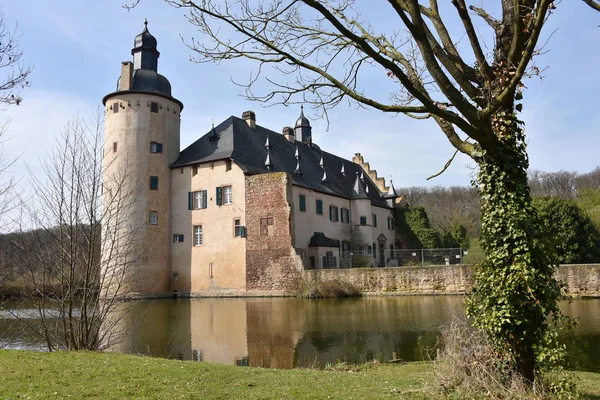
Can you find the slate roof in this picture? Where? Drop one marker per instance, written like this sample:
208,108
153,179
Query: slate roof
319,239
246,147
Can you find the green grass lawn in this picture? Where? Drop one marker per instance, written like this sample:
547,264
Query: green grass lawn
81,375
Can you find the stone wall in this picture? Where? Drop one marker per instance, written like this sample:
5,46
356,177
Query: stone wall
580,280
271,261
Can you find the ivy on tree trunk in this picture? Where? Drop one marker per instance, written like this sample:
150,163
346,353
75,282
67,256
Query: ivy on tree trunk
515,292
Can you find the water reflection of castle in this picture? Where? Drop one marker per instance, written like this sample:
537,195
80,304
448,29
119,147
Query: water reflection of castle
284,333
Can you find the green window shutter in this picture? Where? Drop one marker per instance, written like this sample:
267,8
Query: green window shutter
159,147
319,204
190,200
181,238
337,214
219,196
331,213
375,220
204,199
243,231
302,202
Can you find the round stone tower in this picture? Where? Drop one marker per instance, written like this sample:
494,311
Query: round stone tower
141,141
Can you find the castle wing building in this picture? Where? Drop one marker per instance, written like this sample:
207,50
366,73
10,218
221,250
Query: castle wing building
243,209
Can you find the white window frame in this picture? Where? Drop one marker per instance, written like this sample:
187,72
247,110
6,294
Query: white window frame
199,200
198,235
153,217
227,199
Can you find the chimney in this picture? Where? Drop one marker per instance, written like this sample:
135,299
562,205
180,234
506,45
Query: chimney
126,75
250,118
288,133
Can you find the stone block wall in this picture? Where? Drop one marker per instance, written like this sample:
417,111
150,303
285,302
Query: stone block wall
271,261
580,280
443,279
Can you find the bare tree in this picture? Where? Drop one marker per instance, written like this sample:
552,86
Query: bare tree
472,93
16,75
75,279
447,207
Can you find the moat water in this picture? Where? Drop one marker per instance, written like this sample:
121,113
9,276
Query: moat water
289,332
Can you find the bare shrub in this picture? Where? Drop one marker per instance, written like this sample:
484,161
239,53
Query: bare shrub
322,289
466,364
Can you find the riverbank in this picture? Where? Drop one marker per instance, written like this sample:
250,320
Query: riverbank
113,376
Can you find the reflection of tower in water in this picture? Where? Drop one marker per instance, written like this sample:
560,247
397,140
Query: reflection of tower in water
286,333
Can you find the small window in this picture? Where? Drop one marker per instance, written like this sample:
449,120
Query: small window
312,262
178,238
237,227
156,147
153,217
369,249
115,107
270,221
345,216
363,220
198,235
302,202
391,251
175,277
319,206
227,165
195,170
114,147
374,220
374,251
389,223
200,200
333,214
154,107
154,183
181,170
227,195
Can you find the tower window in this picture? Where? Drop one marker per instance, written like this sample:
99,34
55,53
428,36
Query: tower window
178,238
114,147
154,183
154,107
153,217
115,107
374,220
156,147
363,220
198,235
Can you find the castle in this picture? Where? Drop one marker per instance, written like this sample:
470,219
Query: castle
243,209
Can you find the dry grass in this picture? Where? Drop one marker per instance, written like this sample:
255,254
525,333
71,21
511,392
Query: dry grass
466,366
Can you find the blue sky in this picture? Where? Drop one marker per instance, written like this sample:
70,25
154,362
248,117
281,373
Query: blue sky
76,48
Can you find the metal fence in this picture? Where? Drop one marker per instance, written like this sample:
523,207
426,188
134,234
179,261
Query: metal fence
369,257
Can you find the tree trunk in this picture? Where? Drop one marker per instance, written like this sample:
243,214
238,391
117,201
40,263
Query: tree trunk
514,290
